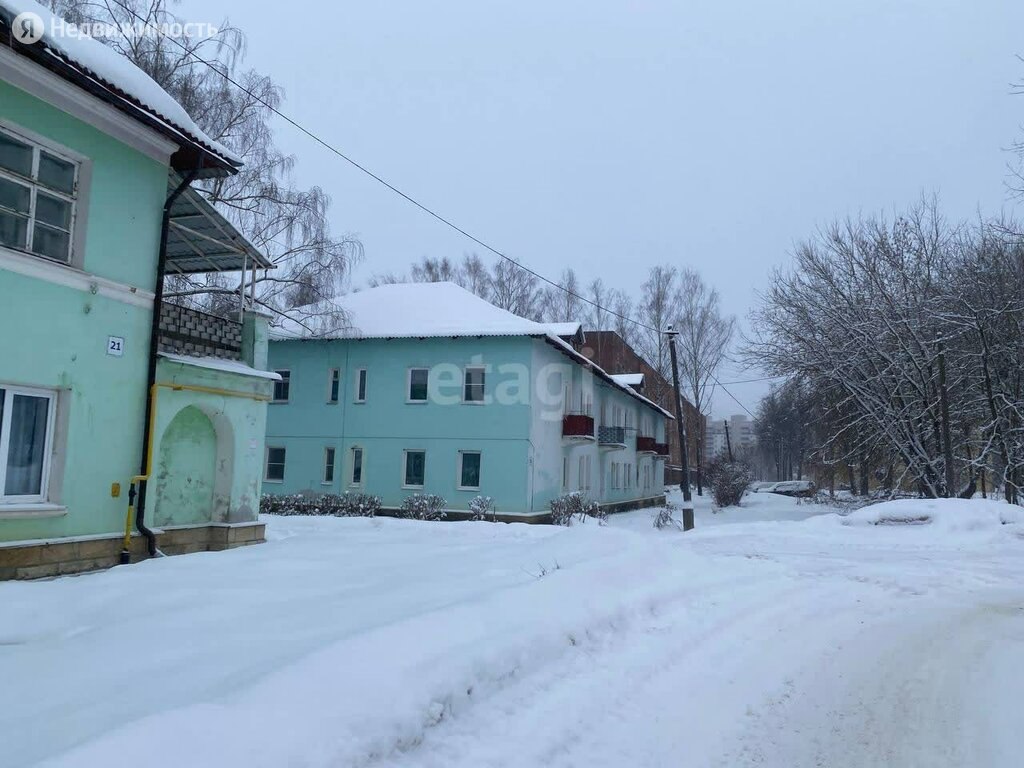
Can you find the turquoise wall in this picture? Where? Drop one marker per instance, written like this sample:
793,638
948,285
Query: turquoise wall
386,424
55,336
126,196
519,434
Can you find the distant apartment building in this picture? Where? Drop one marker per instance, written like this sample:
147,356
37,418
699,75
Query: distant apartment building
614,355
741,435
429,389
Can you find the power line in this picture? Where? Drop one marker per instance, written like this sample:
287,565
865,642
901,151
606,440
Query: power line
408,198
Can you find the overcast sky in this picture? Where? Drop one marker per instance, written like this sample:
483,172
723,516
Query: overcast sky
612,136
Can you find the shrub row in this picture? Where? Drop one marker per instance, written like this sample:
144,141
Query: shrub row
419,506
345,505
574,506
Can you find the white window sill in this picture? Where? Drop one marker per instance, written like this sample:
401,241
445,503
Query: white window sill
273,482
416,402
413,487
23,511
467,489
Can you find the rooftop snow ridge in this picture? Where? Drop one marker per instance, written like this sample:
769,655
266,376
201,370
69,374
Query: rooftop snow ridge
430,310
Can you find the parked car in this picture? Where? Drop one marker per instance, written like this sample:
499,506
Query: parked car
799,488
763,487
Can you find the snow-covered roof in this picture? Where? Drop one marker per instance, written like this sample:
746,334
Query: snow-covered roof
629,379
565,330
220,364
432,310
415,310
108,69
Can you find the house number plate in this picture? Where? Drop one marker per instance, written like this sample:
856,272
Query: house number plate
115,346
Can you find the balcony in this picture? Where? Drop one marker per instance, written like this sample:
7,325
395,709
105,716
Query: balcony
190,332
661,450
646,445
578,426
611,437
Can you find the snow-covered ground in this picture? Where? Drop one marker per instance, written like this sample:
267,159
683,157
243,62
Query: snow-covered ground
777,634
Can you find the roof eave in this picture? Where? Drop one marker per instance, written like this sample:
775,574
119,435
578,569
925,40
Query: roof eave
193,153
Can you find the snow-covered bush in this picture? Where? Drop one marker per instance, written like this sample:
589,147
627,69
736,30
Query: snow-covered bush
345,505
728,480
666,518
572,506
424,506
481,508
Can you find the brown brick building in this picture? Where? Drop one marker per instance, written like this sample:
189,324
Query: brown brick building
611,352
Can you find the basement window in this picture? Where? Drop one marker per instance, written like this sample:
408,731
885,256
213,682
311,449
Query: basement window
38,191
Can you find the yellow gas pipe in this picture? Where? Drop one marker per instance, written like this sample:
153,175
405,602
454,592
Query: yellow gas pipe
154,390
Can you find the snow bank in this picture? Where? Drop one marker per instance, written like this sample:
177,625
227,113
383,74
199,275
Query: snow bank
945,515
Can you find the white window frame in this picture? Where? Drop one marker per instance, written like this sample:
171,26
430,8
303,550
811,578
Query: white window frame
333,377
266,463
329,450
5,432
76,198
582,475
361,382
483,384
362,466
408,385
565,473
458,477
405,464
286,376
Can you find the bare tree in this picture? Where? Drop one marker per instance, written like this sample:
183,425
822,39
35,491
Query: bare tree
287,223
659,298
564,304
705,334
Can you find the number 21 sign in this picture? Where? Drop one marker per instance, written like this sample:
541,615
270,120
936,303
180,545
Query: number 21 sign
115,346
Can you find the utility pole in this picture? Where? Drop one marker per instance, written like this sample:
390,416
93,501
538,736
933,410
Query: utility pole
947,440
728,442
684,486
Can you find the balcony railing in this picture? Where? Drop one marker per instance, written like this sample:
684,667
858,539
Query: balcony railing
577,425
188,331
611,436
646,444
661,450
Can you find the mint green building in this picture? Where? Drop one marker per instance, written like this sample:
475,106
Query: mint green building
426,388
106,390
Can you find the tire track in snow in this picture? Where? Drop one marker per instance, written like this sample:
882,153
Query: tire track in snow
622,700
922,695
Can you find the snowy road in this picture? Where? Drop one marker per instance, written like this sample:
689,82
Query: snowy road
386,643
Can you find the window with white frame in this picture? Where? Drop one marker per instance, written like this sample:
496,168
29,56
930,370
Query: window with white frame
357,467
282,387
588,473
473,385
414,469
38,190
581,474
329,454
469,470
274,472
361,385
418,378
333,385
565,473
26,436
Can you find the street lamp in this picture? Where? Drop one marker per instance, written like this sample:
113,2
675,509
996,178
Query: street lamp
684,486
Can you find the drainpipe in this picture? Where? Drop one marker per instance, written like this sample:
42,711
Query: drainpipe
154,342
